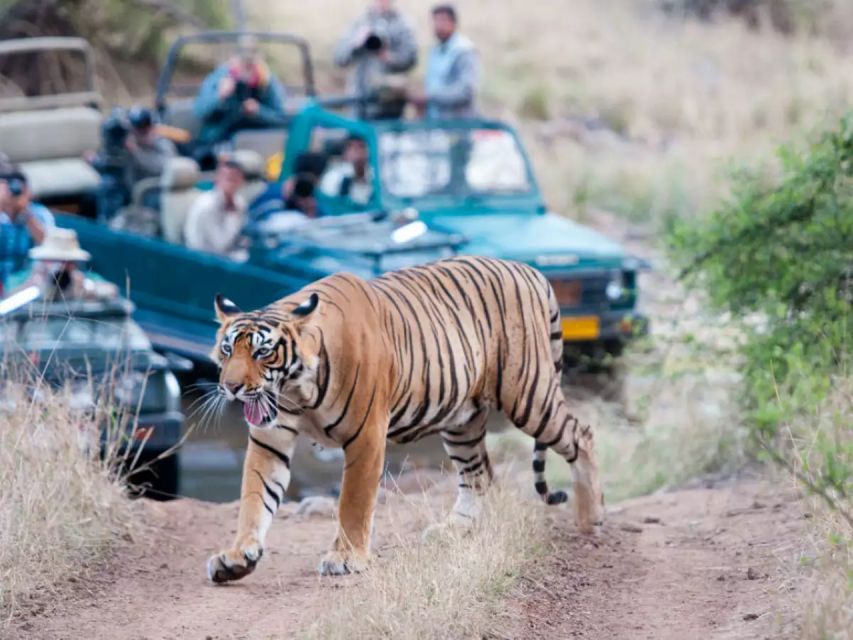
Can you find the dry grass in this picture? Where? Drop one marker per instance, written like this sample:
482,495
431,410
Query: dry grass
448,587
60,507
826,563
621,107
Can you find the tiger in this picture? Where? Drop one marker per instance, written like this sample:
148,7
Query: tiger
353,363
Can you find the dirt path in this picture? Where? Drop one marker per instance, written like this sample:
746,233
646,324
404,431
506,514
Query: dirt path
697,563
700,563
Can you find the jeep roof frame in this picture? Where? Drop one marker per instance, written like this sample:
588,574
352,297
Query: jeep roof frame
164,82
89,97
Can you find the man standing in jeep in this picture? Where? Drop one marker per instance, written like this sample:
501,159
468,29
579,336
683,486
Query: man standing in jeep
453,70
378,43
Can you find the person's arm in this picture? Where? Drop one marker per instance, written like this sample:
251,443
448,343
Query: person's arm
209,103
39,220
402,52
350,42
194,237
271,104
225,238
36,228
151,161
462,90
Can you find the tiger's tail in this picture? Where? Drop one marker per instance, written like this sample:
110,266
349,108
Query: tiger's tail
549,497
539,449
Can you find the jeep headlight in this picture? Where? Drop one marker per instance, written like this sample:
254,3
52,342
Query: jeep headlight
615,289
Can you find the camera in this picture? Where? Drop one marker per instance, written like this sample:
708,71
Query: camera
16,187
303,187
373,42
114,133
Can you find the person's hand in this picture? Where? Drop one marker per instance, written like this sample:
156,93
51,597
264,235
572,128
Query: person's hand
226,87
130,144
251,107
417,98
360,37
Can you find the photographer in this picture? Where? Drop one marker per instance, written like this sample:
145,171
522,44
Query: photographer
239,94
148,150
379,43
23,223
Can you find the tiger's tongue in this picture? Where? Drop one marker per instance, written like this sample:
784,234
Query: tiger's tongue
253,413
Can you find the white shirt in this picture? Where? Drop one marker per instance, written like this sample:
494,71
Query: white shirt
210,227
360,189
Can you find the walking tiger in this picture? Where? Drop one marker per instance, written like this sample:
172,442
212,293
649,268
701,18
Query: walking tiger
432,349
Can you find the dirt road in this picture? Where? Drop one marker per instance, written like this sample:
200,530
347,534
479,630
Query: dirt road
697,563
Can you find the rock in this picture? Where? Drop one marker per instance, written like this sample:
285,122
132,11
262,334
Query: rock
651,520
321,506
750,616
752,574
631,528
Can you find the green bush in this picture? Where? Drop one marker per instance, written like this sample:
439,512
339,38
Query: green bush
779,255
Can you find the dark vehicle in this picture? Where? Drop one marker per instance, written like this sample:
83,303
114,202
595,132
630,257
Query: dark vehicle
94,348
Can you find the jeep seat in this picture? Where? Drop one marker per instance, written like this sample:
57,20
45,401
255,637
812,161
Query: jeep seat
252,164
178,191
49,147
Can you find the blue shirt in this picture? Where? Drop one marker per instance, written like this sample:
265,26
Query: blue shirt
452,77
15,239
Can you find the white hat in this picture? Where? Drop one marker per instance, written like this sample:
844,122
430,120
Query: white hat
60,245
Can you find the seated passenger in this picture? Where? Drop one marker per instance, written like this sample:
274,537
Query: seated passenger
56,270
351,178
294,204
23,223
239,94
278,196
147,150
217,217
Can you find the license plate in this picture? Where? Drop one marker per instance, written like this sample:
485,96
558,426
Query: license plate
581,328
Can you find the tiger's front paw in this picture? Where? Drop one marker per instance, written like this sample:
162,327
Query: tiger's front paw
340,563
235,563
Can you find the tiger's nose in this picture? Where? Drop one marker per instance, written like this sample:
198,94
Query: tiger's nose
232,387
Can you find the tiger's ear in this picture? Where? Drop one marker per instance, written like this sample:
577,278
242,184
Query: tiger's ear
224,308
306,307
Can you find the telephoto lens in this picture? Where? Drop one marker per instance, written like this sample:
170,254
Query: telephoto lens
373,42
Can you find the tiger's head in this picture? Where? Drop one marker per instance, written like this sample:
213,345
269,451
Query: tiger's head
264,358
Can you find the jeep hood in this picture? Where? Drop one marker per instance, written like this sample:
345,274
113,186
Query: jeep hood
525,237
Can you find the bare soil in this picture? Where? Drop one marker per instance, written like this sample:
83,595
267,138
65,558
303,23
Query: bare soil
696,563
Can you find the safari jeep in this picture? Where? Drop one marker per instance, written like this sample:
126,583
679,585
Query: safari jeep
438,188
47,128
471,181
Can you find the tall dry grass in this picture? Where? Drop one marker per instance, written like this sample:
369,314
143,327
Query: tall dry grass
449,586
61,505
825,569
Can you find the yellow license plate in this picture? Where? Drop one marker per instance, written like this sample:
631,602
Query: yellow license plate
581,328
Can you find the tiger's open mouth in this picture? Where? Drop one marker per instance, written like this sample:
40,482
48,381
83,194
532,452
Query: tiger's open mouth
256,412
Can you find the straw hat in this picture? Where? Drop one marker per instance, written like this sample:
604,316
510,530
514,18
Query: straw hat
60,245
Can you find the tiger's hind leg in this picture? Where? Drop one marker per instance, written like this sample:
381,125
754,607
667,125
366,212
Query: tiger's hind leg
466,446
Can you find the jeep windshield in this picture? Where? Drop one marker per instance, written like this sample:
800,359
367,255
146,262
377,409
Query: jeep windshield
457,162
